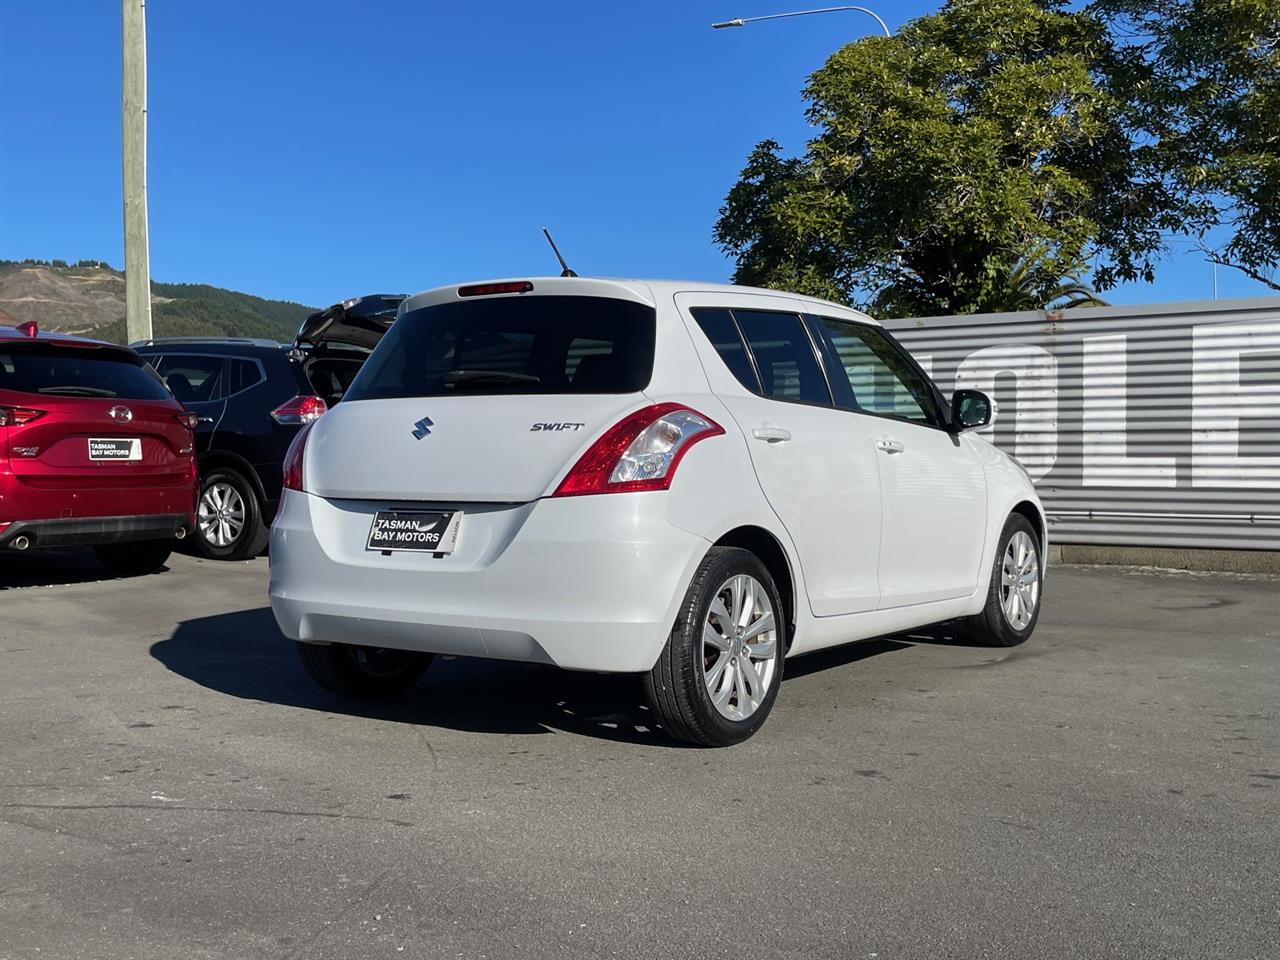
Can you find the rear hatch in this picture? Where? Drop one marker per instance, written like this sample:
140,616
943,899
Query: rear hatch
360,323
483,399
88,417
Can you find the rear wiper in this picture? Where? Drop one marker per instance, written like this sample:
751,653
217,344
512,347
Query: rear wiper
456,377
78,391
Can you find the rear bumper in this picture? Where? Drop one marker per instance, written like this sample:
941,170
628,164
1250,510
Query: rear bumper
93,531
584,583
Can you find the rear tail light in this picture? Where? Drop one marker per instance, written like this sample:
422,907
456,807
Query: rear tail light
639,452
299,410
188,420
17,416
293,460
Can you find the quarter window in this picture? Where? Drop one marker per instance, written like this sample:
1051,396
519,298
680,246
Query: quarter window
717,323
241,375
872,374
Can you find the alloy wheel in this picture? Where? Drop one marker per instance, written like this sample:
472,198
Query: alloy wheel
221,514
739,647
1020,580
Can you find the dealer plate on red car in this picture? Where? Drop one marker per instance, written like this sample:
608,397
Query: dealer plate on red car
115,448
421,531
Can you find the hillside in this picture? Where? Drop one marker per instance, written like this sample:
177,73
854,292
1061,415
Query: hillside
87,298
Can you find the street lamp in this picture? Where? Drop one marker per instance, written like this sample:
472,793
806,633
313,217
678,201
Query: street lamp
743,21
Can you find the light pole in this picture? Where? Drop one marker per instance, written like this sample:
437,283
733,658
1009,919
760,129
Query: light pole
743,21
137,271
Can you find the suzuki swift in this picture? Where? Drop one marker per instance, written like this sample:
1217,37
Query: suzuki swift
682,481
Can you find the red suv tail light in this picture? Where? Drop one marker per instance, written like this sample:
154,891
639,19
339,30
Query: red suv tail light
299,410
188,420
17,416
293,460
640,452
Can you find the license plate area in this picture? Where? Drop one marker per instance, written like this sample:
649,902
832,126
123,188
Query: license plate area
117,449
414,531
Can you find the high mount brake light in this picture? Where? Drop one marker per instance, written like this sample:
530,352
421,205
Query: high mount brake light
299,410
17,416
29,328
639,452
489,289
293,459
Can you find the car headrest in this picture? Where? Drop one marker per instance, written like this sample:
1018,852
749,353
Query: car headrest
180,387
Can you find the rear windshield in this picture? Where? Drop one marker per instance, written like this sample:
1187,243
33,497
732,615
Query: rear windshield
77,372
527,344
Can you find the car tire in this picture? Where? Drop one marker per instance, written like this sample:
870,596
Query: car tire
1015,592
134,559
363,673
229,522
696,690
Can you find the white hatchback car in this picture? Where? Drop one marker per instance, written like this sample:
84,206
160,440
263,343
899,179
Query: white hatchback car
683,481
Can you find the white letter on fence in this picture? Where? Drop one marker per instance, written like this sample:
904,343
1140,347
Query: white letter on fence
1106,461
1035,423
1219,401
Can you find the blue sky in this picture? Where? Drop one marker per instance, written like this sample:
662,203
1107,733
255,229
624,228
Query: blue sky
316,151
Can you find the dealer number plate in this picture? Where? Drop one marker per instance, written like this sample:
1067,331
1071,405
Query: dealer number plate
115,448
414,530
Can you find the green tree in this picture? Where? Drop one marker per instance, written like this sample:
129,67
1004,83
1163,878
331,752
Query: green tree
1033,285
974,140
1200,80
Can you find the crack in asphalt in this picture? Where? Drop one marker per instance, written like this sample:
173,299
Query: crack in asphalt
193,809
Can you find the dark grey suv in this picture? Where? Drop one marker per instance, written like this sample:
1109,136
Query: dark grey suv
251,396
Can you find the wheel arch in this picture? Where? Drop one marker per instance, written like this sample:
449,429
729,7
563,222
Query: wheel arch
1035,517
769,549
220,459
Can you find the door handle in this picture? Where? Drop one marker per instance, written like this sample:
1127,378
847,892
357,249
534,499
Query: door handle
888,445
204,419
771,434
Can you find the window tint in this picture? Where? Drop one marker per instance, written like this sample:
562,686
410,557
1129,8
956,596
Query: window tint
241,374
718,325
784,356
527,344
880,378
192,378
78,372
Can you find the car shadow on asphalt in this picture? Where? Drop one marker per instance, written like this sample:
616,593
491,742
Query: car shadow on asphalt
54,568
243,654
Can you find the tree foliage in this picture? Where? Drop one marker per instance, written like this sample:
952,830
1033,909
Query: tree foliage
1200,80
977,142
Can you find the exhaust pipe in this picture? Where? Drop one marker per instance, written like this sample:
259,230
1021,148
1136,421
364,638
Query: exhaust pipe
21,542
180,533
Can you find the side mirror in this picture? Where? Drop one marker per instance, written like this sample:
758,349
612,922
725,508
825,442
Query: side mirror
972,410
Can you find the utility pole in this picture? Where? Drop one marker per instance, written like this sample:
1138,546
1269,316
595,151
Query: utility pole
137,270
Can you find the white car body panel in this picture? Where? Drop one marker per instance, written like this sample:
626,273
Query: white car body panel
872,544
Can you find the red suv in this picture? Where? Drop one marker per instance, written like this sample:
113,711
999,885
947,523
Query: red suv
94,451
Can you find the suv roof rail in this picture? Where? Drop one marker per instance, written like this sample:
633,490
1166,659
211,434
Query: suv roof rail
252,341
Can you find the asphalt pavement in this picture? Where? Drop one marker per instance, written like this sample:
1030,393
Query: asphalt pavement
173,785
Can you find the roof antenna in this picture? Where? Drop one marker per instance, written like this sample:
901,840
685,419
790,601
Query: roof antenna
565,271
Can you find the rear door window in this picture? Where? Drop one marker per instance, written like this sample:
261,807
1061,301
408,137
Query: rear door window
522,345
53,370
193,378
784,356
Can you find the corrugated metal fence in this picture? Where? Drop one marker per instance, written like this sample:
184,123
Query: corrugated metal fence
1150,426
